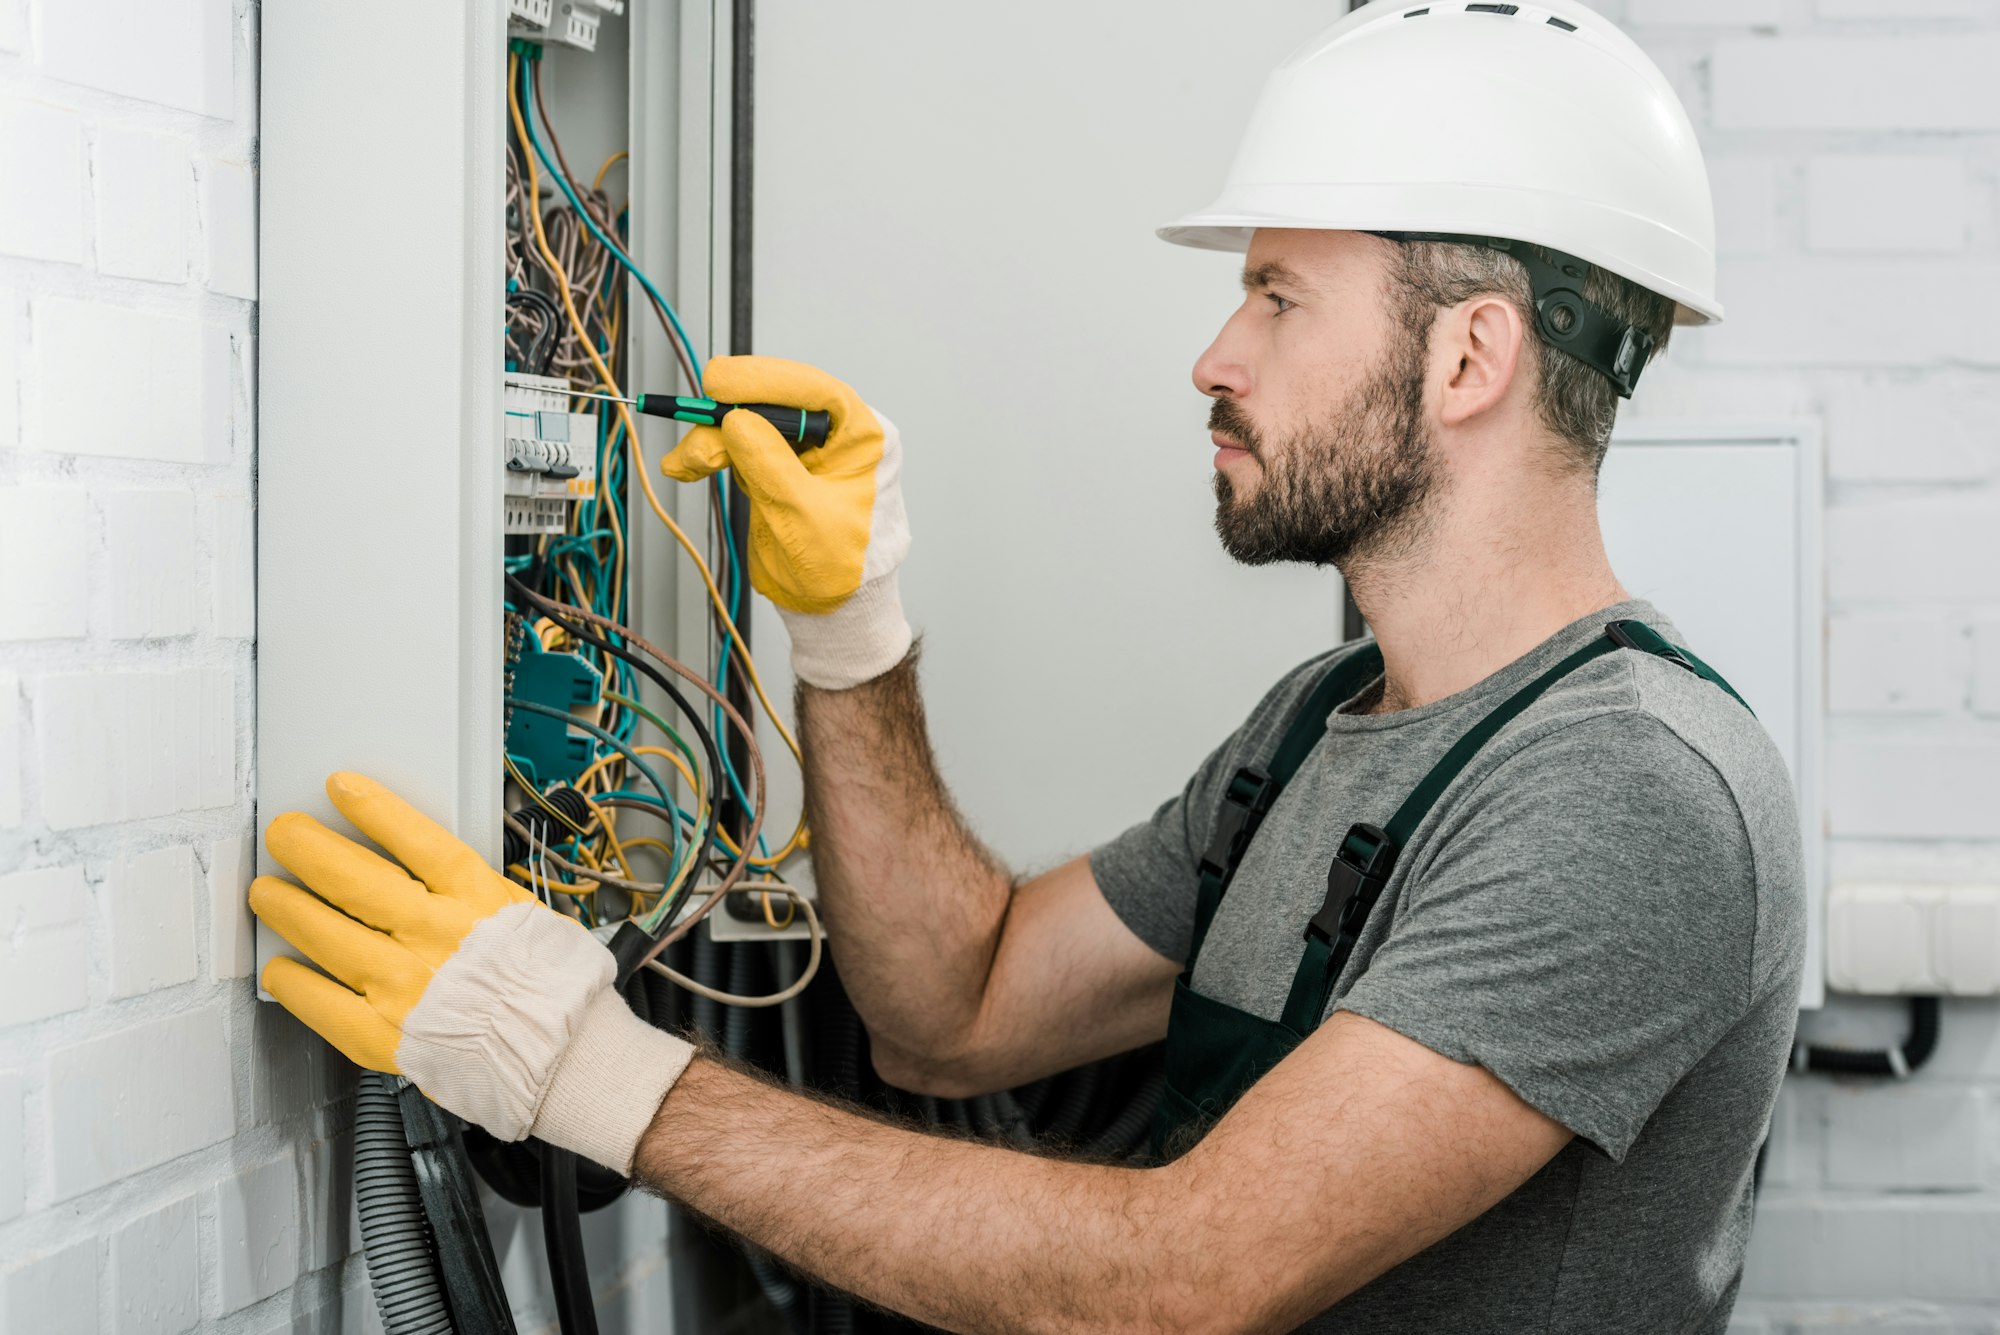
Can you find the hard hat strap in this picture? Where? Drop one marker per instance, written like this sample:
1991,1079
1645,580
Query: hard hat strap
1563,318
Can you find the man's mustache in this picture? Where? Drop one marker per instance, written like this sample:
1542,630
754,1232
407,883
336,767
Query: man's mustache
1226,418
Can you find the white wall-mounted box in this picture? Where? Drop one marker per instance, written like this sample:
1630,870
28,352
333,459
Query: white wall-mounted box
1899,939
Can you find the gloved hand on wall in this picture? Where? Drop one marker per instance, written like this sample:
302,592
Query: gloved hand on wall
499,1009
827,528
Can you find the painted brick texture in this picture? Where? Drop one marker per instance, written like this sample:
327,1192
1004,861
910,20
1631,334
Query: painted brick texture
174,1155
1854,145
153,1119
170,1153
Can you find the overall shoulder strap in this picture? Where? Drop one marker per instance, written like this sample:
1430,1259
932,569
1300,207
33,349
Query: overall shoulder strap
1367,856
1639,635
1251,790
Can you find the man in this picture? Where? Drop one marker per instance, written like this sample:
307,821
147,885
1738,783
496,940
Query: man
1491,925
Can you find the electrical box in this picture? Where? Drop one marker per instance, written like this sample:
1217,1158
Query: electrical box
550,454
1914,940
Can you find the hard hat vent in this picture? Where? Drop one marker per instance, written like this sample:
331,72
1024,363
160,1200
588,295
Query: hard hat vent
1492,9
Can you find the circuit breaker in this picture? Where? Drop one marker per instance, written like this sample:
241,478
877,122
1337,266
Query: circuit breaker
550,454
564,22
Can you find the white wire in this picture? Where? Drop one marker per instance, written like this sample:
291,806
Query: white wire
813,932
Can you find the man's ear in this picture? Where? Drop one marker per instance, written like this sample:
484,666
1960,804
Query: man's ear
1483,343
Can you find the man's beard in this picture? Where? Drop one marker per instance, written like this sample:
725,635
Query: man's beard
1353,485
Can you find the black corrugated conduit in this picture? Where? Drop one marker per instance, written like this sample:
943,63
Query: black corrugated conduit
1898,1062
395,1235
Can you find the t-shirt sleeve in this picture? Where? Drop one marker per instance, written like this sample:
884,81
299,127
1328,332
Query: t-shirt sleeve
1147,874
1586,929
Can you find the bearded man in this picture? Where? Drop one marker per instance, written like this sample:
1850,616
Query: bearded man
1475,950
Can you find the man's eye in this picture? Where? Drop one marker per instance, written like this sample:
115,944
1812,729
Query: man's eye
1282,303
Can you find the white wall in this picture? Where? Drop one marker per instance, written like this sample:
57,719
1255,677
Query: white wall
959,222
165,1160
965,234
173,1154
1853,148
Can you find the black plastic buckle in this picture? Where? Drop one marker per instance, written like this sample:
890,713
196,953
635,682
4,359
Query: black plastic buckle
1354,882
1638,635
1244,802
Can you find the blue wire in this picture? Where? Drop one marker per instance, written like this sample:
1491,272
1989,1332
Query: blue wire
583,215
650,801
673,317
722,667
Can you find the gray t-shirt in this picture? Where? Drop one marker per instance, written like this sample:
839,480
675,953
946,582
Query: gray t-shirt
1606,910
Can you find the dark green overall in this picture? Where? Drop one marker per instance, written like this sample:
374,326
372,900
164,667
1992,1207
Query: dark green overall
1214,1051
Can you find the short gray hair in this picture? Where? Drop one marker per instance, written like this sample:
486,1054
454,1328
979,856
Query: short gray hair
1577,403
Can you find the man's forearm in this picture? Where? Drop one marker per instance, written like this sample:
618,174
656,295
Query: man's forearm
964,1236
913,903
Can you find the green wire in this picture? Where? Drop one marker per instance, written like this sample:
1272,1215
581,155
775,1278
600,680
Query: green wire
657,722
638,763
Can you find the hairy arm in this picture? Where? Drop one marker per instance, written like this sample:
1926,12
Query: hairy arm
1257,1228
967,981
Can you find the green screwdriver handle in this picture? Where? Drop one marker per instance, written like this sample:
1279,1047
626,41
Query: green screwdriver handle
804,429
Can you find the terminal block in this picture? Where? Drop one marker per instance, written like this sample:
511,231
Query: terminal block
526,17
549,453
572,23
546,749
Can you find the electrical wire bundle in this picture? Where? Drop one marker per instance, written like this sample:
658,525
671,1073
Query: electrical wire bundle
571,589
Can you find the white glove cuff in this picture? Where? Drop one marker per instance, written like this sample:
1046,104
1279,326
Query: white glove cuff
858,641
612,1079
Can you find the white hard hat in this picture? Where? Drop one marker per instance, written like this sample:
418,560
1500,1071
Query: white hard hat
1538,122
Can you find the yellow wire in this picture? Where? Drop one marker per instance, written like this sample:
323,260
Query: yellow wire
638,454
539,800
605,170
595,766
604,823
797,841
632,431
580,888
791,911
542,802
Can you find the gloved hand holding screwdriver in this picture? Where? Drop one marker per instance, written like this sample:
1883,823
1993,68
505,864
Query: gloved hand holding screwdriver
827,528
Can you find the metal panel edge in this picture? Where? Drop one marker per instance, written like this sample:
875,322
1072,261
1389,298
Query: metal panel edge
379,407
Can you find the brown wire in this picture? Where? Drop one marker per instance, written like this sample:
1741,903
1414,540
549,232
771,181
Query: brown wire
674,665
681,354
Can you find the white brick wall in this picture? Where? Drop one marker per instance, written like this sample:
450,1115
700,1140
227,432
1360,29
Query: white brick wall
169,1151
173,1154
153,1116
1855,146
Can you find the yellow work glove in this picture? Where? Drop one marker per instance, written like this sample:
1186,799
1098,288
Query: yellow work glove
827,527
498,1008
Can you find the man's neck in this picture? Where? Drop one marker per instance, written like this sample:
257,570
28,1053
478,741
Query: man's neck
1480,590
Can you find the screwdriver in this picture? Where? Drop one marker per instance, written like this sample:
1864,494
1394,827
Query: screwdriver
803,428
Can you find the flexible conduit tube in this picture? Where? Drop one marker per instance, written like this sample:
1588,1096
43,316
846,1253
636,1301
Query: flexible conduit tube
1898,1062
395,1236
